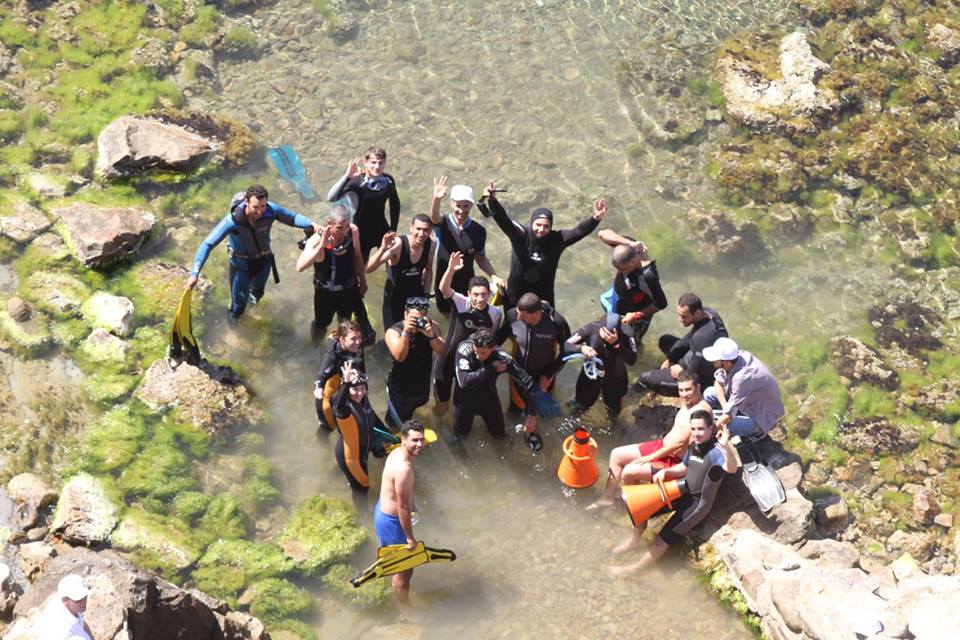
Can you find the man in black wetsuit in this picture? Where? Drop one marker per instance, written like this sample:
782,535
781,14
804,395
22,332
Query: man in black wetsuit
458,232
538,333
608,347
339,279
409,261
537,246
412,343
371,189
478,364
636,287
708,459
686,352
470,312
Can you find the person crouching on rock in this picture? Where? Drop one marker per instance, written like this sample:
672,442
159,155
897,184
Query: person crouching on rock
708,459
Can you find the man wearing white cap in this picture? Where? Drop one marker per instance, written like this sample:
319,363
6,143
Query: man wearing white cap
455,232
744,390
63,617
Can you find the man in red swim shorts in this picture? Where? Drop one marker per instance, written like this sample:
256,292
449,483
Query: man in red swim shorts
636,463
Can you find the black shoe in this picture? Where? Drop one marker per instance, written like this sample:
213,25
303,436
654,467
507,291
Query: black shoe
367,335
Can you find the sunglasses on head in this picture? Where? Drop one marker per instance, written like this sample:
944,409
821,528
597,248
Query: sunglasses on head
419,303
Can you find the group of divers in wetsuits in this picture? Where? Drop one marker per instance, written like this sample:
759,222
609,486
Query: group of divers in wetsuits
356,239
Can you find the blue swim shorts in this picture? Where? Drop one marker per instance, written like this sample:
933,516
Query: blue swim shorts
388,528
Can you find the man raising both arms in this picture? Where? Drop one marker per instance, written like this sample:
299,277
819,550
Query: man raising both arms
636,463
391,515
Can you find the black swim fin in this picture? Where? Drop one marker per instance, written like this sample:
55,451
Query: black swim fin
288,165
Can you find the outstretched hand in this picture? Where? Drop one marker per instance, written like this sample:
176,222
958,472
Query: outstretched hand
599,208
490,191
353,169
388,239
456,260
348,373
439,187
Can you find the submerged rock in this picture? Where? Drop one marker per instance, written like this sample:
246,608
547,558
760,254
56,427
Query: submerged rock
19,309
109,312
23,223
85,515
321,531
102,346
720,239
792,104
947,42
857,361
213,398
940,400
156,541
104,235
131,145
877,436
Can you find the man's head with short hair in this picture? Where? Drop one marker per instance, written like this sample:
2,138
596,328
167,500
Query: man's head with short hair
255,200
530,309
622,258
375,152
420,228
256,191
690,309
338,219
688,388
478,291
484,343
701,425
412,437
349,335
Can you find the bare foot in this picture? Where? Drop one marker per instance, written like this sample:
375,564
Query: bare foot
602,502
624,569
630,543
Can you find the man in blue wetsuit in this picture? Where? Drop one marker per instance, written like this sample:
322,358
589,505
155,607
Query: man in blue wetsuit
247,229
708,459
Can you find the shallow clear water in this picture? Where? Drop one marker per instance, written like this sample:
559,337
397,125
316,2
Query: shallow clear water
527,94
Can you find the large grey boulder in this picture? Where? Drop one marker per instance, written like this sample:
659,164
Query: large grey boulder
84,515
212,398
126,602
104,235
794,103
132,144
23,223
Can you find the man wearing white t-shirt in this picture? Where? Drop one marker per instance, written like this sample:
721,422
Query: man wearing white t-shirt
62,618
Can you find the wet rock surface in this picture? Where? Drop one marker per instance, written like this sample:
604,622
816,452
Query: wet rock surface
213,398
877,436
84,515
131,145
23,223
857,361
104,235
109,312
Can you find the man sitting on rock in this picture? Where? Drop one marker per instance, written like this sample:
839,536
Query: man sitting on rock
745,390
686,353
63,617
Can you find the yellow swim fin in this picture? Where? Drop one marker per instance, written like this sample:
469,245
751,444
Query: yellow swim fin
429,436
183,346
397,558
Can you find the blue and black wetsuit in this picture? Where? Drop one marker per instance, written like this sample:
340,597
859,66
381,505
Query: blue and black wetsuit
471,241
404,280
372,197
611,378
476,390
357,438
638,291
248,246
534,261
705,472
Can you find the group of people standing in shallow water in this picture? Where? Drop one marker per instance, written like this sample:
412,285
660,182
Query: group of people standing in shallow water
438,258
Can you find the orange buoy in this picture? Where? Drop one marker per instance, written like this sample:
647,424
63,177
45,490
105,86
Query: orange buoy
644,500
578,469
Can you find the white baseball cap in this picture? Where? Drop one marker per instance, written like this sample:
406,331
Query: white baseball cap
73,587
722,349
462,192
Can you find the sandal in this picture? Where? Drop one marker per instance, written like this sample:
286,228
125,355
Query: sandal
534,441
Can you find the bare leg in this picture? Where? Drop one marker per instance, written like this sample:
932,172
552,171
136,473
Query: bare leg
654,553
633,541
401,587
440,407
638,473
619,458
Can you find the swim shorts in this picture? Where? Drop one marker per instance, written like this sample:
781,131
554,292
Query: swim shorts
647,448
388,528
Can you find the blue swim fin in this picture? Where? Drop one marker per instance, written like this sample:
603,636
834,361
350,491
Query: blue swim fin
288,165
608,300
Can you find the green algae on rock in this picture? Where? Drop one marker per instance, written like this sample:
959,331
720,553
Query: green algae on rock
28,339
156,542
372,594
275,599
227,567
321,531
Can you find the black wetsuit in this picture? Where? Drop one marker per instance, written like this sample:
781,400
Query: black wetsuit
705,472
534,261
335,286
357,438
538,349
408,383
404,280
471,241
688,353
372,197
612,373
636,291
476,390
463,322
328,378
